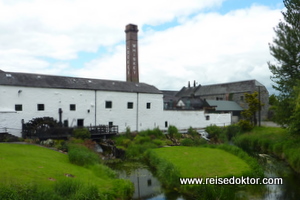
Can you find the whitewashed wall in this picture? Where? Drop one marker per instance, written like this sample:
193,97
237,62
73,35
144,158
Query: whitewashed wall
90,106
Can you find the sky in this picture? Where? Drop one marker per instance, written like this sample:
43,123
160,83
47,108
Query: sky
209,41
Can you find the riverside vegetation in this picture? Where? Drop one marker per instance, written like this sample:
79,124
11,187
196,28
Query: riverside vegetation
194,158
34,172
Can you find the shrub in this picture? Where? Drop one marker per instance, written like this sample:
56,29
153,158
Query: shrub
216,134
172,130
245,125
158,142
199,141
81,133
81,155
232,131
60,145
193,132
187,142
141,139
136,151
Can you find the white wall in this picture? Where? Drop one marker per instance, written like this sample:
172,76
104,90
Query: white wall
90,106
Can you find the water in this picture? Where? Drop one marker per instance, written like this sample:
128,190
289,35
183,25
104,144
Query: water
291,180
147,186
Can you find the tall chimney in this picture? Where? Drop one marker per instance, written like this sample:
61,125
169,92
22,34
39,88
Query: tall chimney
132,64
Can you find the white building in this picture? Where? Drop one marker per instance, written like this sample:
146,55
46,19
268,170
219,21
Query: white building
86,102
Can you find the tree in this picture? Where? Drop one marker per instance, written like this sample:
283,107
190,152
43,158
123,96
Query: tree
294,126
254,105
286,69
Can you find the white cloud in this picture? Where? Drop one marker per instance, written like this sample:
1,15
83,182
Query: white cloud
208,47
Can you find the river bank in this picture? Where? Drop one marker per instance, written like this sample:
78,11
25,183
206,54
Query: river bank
34,172
274,141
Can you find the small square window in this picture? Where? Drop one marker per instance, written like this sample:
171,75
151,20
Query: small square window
18,107
108,104
207,117
130,105
80,122
40,107
242,98
148,105
73,107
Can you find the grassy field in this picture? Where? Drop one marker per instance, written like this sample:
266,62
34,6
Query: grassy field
30,164
203,162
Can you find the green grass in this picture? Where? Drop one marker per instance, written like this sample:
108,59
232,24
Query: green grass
272,140
30,164
203,162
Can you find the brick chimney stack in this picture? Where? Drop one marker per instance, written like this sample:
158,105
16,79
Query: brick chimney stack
132,64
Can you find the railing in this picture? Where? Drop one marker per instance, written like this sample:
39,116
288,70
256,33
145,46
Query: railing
64,132
103,129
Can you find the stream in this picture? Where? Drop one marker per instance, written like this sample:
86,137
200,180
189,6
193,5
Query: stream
148,187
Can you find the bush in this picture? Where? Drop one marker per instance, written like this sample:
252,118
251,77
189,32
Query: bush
136,151
141,139
60,145
81,133
232,131
187,142
193,132
216,134
245,125
172,130
81,155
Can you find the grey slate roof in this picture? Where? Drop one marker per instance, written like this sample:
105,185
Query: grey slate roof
225,105
187,92
227,88
63,82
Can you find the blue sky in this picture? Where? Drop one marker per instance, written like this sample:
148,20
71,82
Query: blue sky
210,41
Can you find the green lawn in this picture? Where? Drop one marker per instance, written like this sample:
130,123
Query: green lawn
34,164
203,162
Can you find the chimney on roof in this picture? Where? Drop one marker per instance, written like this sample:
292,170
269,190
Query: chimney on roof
194,83
132,64
189,84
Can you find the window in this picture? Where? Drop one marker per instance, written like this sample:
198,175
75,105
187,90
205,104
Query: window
18,107
207,117
242,98
166,124
130,105
72,106
108,104
80,122
148,105
66,123
40,107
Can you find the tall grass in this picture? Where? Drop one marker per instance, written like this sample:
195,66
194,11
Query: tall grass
223,134
81,155
270,140
165,171
64,189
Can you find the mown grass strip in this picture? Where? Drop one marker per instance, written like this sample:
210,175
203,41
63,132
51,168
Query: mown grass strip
204,162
